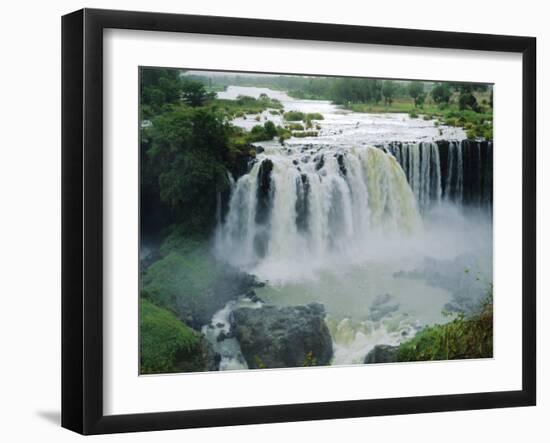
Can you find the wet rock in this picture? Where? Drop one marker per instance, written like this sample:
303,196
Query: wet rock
220,325
382,354
292,336
319,162
252,296
206,359
341,165
221,336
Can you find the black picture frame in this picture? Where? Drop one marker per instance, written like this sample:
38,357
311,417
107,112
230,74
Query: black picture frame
82,218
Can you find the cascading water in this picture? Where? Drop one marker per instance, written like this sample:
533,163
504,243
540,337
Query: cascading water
421,164
459,172
304,204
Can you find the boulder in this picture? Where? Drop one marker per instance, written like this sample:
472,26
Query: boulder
291,336
382,354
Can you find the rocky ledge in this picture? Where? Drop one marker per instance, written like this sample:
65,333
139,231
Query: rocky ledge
291,336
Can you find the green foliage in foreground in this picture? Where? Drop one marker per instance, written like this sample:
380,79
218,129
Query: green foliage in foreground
461,338
165,342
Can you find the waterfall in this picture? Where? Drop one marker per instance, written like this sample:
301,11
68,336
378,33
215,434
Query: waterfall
460,172
421,164
305,203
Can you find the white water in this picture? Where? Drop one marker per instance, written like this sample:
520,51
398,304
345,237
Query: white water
338,218
341,214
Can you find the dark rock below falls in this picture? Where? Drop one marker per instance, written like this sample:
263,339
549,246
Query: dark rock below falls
291,336
382,354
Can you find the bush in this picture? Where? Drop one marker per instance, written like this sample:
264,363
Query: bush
164,341
262,133
294,116
302,134
295,127
459,339
315,116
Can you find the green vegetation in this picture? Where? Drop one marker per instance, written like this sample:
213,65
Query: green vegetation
245,105
183,280
416,91
294,116
187,150
441,93
314,116
377,96
166,344
310,360
302,134
389,90
295,127
463,337
189,145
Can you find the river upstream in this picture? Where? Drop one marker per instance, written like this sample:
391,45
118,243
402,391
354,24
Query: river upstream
382,218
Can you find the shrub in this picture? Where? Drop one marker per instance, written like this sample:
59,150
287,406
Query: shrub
315,116
164,340
295,127
463,337
294,116
302,134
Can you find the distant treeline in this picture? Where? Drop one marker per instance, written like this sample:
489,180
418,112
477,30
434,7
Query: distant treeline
348,90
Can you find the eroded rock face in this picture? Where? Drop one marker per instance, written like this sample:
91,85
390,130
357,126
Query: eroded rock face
291,336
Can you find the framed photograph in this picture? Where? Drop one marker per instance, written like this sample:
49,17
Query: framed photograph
269,221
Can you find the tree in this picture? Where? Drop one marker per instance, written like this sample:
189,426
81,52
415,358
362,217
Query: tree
159,87
376,90
270,129
389,89
194,94
188,148
416,91
441,93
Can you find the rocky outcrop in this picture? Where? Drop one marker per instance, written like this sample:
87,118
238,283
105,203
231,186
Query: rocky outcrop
382,354
210,357
292,336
